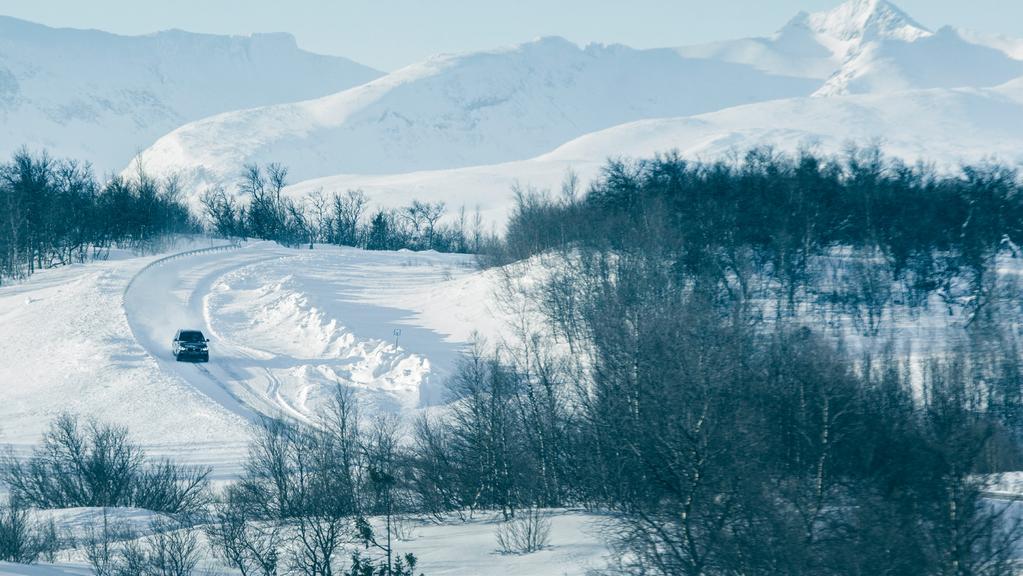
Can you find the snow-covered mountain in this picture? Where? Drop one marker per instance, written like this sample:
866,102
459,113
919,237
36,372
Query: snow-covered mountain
870,46
102,97
816,45
460,110
940,126
943,59
465,114
489,118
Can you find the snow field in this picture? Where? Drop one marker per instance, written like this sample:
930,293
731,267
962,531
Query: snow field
286,326
450,548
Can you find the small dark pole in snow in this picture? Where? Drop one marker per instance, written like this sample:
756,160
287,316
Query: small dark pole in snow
397,332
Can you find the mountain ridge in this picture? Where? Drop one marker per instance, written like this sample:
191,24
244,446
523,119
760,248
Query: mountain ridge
457,110
101,97
527,104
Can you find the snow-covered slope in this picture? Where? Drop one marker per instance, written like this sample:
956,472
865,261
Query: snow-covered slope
872,46
815,45
102,97
1001,42
461,110
469,111
945,127
944,59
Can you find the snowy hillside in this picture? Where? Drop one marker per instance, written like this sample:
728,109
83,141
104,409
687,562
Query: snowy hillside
453,111
871,46
941,126
460,128
816,45
944,59
101,97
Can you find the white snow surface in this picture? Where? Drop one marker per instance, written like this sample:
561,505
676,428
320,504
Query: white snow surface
815,45
102,97
461,110
944,59
451,548
286,326
872,46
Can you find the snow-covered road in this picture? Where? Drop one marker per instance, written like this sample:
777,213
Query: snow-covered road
285,325
170,294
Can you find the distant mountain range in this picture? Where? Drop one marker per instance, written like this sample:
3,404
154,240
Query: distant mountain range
454,111
465,127
104,98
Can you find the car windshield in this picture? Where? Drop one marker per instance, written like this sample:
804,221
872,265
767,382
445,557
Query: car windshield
191,336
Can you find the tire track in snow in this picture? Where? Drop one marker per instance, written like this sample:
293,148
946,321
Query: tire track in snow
273,388
162,308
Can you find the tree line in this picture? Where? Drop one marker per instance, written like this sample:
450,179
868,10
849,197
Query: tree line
777,217
260,209
55,212
718,446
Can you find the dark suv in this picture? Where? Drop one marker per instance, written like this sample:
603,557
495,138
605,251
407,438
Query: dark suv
190,344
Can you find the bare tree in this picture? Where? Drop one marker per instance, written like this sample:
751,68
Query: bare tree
321,222
248,543
173,549
348,210
93,464
222,211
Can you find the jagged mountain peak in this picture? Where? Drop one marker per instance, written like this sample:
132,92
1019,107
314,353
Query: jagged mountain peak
858,21
817,44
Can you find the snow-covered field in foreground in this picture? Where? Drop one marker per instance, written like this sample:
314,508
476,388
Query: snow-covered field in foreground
448,549
285,326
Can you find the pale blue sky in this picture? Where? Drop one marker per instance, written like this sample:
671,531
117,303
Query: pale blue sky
388,34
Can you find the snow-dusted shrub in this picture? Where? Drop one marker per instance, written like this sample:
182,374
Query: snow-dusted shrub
243,542
171,549
167,487
20,537
102,545
529,531
92,464
404,527
25,540
51,541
